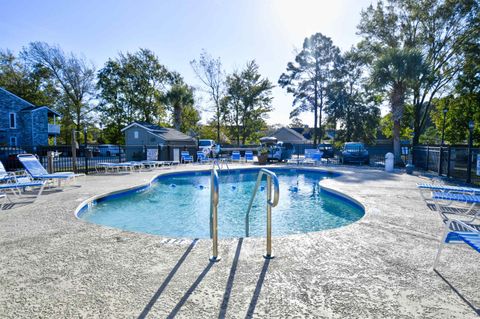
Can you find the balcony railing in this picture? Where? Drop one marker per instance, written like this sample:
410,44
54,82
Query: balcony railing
53,129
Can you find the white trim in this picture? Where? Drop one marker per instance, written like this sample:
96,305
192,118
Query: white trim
126,128
14,120
136,135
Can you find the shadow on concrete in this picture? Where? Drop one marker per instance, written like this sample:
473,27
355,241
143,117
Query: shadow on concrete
190,290
258,288
231,279
167,280
471,305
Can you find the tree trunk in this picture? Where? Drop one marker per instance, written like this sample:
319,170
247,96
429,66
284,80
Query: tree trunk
177,117
397,101
218,120
320,135
315,111
396,141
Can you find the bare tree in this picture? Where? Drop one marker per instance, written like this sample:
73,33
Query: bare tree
209,71
74,76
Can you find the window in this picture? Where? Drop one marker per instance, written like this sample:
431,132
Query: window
13,141
135,134
13,120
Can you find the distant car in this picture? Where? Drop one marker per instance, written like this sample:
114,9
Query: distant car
8,155
280,152
327,150
207,146
109,150
354,152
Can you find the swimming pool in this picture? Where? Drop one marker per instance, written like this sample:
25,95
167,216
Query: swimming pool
178,205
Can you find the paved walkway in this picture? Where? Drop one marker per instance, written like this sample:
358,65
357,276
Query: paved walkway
55,266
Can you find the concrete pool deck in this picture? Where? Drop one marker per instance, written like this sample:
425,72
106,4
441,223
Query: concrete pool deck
53,265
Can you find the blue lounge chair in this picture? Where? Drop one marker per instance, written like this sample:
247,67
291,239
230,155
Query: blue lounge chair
312,157
458,232
201,157
425,188
35,169
448,188
186,157
248,156
235,156
468,199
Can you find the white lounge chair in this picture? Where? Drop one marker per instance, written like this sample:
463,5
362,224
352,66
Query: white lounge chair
4,175
17,187
37,172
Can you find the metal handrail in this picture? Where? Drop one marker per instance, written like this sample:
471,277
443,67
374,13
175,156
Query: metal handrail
271,176
214,187
220,164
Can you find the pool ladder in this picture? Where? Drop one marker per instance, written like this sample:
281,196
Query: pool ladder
214,186
220,164
272,180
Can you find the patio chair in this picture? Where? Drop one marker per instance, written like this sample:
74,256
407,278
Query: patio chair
248,156
17,187
202,158
186,157
36,171
235,156
448,188
116,167
4,175
458,232
471,202
312,157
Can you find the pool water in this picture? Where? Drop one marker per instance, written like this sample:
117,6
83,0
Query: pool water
178,205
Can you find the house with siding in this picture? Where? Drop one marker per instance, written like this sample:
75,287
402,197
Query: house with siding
142,138
288,135
24,124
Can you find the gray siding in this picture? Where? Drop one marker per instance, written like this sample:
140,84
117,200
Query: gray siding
144,137
9,103
32,124
40,127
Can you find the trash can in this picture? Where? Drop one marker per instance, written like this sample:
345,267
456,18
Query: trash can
409,168
389,159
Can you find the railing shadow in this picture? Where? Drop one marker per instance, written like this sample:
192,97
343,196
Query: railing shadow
231,279
471,305
258,288
190,290
167,280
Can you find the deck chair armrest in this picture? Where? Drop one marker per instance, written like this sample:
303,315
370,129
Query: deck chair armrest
463,224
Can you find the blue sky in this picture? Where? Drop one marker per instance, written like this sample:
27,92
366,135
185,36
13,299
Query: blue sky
236,31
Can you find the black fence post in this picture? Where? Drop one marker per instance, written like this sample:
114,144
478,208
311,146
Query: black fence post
449,158
469,165
119,154
428,157
85,151
440,159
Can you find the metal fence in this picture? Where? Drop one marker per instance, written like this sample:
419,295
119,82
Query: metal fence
449,161
85,158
